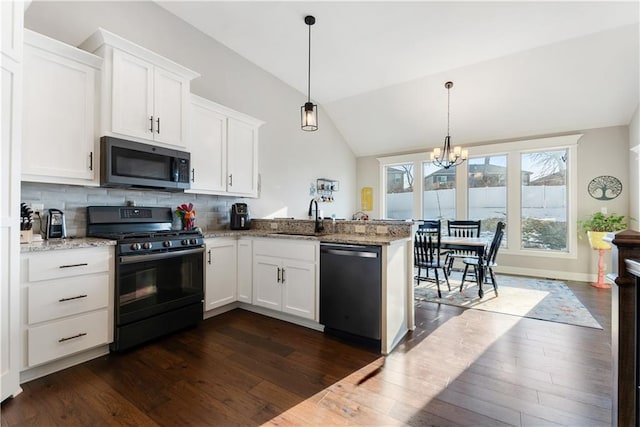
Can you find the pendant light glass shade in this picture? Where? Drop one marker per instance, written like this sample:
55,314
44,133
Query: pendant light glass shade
309,116
309,111
447,157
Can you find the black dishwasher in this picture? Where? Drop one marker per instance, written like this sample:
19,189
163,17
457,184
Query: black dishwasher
351,291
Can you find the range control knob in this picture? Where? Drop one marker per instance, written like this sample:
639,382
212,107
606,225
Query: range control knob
147,245
193,241
185,241
135,246
166,243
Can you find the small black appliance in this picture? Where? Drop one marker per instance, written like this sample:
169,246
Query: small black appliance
240,219
56,227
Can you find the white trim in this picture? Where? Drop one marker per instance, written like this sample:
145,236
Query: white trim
550,274
102,36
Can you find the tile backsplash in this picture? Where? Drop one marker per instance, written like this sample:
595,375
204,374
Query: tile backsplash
212,211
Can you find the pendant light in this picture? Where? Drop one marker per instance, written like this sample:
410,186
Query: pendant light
309,111
446,157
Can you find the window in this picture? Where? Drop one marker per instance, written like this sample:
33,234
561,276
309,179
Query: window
529,184
439,192
544,200
399,192
487,192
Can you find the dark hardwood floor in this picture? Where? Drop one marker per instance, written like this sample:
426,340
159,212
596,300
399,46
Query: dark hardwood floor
459,367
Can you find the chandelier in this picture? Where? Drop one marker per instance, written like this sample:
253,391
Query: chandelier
446,157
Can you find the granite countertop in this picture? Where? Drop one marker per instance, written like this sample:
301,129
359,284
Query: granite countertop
71,243
358,239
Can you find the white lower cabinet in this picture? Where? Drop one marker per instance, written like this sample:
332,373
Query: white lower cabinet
245,270
67,302
221,272
285,276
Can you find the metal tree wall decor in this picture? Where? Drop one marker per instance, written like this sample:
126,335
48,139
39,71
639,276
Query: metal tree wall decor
605,187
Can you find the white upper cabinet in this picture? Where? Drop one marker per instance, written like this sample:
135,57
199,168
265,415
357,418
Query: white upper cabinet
207,136
145,95
224,149
242,158
59,142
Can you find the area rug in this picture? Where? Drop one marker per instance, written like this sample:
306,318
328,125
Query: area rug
542,299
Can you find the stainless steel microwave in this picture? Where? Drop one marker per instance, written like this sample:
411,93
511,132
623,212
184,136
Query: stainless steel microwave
128,164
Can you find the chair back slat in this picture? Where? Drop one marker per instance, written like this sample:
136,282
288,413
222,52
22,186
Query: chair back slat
464,228
495,243
427,242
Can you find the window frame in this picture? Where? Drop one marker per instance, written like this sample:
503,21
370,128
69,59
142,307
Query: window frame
513,151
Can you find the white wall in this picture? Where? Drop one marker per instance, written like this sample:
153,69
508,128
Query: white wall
634,168
290,159
602,151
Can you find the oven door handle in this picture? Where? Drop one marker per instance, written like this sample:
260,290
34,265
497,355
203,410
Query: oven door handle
131,259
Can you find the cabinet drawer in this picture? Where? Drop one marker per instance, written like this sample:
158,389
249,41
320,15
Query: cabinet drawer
68,263
66,297
302,250
64,337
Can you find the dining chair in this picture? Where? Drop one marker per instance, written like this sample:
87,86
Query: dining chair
488,261
461,228
427,252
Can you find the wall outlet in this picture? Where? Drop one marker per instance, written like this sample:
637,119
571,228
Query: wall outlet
381,229
274,225
39,208
360,229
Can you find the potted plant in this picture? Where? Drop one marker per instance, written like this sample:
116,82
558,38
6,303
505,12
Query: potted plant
599,225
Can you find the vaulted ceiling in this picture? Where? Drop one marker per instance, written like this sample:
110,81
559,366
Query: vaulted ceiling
378,68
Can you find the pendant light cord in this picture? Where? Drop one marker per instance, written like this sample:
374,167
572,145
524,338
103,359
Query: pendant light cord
309,69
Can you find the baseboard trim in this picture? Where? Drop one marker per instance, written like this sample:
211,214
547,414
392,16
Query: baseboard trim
307,323
58,365
547,274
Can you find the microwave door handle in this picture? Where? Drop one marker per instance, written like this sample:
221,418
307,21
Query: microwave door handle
131,259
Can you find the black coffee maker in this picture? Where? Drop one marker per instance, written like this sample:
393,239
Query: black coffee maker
240,219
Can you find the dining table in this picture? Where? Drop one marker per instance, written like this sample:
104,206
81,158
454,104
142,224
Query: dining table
470,244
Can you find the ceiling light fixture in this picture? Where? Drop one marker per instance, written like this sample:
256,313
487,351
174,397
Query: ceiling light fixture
446,157
309,110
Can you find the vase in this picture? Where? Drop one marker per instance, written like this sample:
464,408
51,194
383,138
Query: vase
595,239
188,224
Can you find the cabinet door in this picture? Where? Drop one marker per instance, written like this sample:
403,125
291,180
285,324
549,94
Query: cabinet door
245,270
10,114
299,288
242,157
221,273
169,105
267,288
207,136
132,109
58,121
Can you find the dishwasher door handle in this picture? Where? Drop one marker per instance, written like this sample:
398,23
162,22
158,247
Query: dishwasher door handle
343,252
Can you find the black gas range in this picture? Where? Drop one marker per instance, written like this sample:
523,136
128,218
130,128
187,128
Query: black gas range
159,272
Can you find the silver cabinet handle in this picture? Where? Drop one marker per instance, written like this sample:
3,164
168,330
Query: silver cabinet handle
81,334
230,180
158,122
151,125
91,161
84,264
193,175
283,275
278,274
71,298
209,252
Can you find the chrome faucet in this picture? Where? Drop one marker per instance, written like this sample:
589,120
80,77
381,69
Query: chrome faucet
318,226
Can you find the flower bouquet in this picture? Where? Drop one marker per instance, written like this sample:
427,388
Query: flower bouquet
188,216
